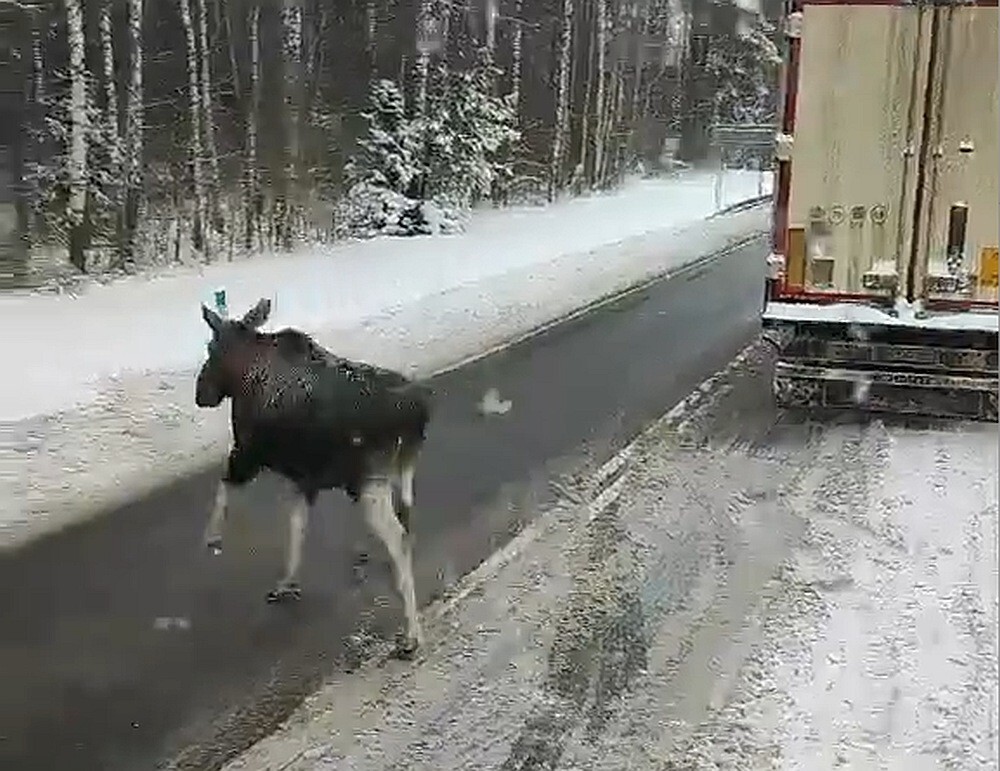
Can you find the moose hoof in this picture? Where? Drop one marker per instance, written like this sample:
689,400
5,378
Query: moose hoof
406,648
285,593
214,546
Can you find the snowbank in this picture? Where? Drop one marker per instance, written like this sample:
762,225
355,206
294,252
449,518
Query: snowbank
101,409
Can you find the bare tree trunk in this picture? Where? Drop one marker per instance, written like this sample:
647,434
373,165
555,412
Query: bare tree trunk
640,62
585,115
445,32
561,128
110,87
111,117
40,110
208,119
602,95
234,66
636,112
291,25
219,28
515,75
492,14
254,202
615,123
371,38
198,235
426,30
76,212
134,116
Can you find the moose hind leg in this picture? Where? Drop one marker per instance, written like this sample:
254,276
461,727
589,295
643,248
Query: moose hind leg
298,520
376,498
213,530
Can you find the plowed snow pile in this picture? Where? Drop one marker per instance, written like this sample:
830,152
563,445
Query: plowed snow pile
795,597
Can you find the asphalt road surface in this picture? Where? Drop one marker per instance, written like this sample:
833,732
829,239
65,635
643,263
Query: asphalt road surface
126,646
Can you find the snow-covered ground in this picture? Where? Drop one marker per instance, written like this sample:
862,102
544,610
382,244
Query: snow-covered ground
97,403
783,596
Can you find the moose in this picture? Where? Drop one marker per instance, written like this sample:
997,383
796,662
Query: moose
323,422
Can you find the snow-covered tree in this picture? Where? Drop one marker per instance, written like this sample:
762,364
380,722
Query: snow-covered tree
418,177
381,175
744,67
468,136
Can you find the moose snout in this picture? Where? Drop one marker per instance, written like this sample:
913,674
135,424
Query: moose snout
207,400
206,395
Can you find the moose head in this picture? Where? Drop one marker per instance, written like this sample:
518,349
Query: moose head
229,339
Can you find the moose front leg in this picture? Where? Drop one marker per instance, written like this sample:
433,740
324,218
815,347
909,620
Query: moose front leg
240,470
298,520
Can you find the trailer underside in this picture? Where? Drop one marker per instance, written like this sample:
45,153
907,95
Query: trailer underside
896,367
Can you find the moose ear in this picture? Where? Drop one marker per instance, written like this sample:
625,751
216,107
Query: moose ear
211,318
258,314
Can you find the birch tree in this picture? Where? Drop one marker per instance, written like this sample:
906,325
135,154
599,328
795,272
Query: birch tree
112,120
492,14
560,133
291,27
581,173
76,212
371,36
227,21
208,117
516,57
613,148
426,33
110,87
642,34
194,111
253,198
134,119
39,100
602,108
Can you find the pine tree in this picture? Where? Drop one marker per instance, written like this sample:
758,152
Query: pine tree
744,67
381,175
469,134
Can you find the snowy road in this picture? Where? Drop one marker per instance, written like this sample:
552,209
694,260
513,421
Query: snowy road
762,593
128,645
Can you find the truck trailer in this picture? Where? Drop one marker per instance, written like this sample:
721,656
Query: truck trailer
882,279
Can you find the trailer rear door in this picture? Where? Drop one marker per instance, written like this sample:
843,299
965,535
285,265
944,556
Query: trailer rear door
961,158
891,118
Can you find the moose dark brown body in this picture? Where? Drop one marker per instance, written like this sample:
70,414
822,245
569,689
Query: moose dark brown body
323,422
